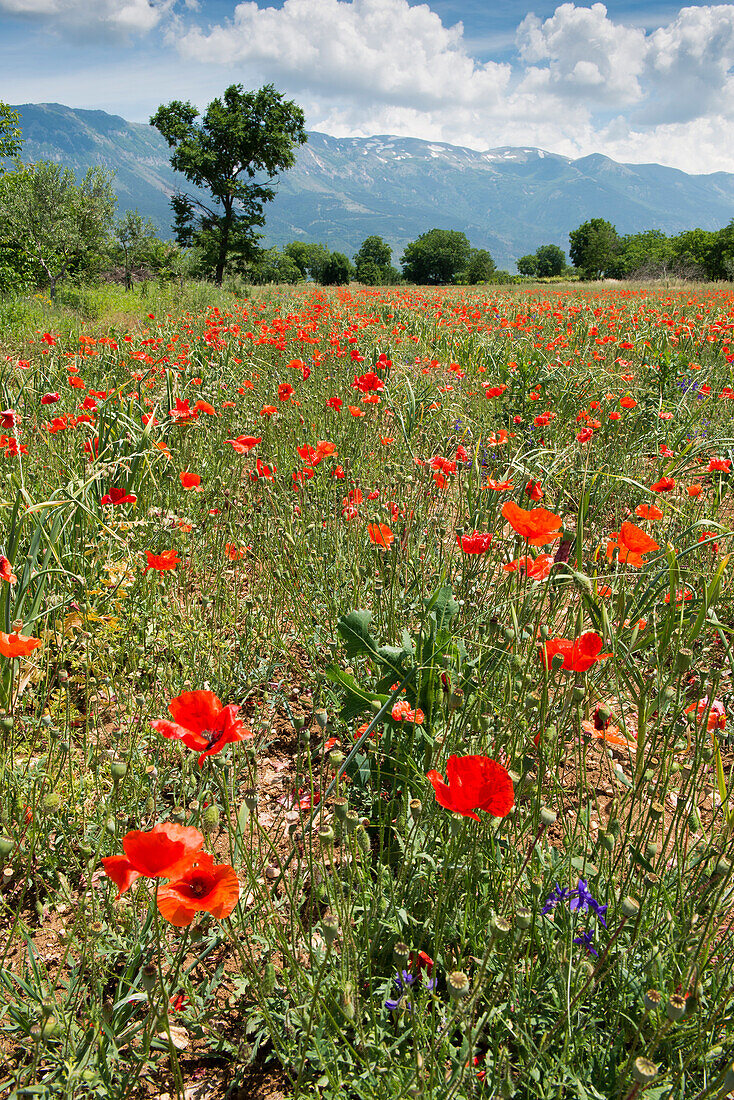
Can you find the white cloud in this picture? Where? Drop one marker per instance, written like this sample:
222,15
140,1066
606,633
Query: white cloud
587,56
381,51
688,65
125,16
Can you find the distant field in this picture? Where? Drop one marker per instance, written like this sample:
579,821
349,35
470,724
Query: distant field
365,670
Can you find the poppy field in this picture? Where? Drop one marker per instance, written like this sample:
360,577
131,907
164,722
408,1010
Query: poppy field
365,681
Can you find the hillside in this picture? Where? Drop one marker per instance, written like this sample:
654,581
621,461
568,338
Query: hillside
343,189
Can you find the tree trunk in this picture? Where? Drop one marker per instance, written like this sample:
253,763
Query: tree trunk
223,247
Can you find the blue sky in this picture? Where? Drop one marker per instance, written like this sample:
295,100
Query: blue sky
640,82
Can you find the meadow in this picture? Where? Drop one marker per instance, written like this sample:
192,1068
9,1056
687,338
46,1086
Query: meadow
365,671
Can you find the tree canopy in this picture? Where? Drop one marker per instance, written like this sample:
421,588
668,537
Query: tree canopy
10,135
436,256
236,152
594,247
56,222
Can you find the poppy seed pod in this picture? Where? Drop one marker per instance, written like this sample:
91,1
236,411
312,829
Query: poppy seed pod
400,955
630,908
52,802
676,1007
329,928
500,927
458,985
523,917
644,1071
652,1000
149,977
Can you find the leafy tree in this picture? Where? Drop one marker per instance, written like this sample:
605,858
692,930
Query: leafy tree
241,138
436,256
309,258
550,261
58,223
648,253
371,259
134,235
594,248
337,271
274,266
481,267
10,135
528,265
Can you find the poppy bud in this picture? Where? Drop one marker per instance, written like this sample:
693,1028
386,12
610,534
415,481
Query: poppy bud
458,985
49,1027
722,867
52,802
210,818
363,839
630,908
644,1071
346,1001
321,718
651,849
267,984
6,846
118,770
111,826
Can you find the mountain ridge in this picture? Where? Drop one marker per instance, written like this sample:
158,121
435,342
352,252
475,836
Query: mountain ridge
507,199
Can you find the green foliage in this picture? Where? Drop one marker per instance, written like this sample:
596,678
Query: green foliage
337,270
528,265
11,138
481,267
436,257
594,248
58,224
273,266
310,258
373,263
244,140
135,237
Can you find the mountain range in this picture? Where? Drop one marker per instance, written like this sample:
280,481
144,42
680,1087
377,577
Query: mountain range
341,190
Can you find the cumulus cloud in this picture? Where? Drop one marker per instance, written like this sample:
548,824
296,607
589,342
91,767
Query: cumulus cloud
122,16
382,51
587,55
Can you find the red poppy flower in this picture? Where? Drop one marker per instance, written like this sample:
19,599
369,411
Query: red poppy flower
534,490
205,886
268,410
50,398
285,389
6,570
233,552
118,496
162,852
664,485
648,511
189,480
381,535
721,464
585,435
368,382
694,490
17,645
243,444
355,410
474,543
334,403
578,656
498,486
202,723
538,526
537,569
628,402
474,783
169,559
632,542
